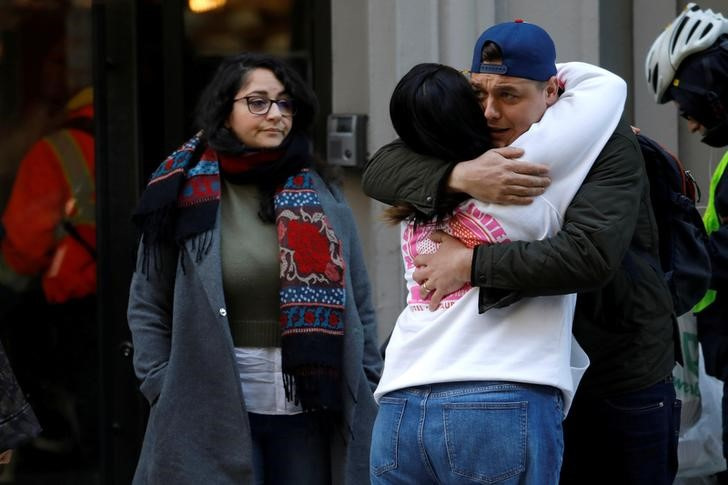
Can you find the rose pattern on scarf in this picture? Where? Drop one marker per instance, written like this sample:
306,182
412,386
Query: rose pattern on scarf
310,247
310,250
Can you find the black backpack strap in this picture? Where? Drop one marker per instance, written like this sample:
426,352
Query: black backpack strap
73,232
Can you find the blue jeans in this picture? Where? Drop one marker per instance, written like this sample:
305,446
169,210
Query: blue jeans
629,439
468,432
290,449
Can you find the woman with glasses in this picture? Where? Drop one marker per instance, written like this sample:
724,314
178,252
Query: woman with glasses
254,333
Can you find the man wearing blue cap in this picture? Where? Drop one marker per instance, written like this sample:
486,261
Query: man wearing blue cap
522,101
623,424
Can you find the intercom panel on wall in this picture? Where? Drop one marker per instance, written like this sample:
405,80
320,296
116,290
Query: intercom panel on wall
346,139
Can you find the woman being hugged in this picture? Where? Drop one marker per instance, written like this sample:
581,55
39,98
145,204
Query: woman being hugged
254,334
465,396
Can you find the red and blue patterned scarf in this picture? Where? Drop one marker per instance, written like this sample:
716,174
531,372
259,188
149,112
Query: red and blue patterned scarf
312,295
180,204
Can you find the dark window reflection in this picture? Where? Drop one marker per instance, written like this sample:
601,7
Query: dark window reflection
48,245
48,254
240,25
295,30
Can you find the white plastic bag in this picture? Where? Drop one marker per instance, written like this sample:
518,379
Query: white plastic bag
700,450
685,376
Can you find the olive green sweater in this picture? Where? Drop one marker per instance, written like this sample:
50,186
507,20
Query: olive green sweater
250,269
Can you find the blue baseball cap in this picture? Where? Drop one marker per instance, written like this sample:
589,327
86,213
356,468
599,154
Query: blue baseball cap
528,51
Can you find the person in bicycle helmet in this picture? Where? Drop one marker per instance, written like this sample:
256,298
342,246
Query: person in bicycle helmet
688,64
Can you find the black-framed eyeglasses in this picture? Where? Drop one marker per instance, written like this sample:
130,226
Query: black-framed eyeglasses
259,105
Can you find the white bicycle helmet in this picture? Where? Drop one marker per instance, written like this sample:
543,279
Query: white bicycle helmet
692,31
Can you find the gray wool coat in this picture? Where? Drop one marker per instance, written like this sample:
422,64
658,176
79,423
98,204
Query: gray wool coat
198,430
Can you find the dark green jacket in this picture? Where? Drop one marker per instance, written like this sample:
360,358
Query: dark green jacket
623,317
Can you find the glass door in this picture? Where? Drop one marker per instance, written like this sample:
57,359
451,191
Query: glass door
48,303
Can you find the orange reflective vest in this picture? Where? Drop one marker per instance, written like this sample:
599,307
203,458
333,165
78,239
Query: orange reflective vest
55,186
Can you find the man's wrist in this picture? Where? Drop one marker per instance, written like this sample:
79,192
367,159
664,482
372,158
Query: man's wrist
455,181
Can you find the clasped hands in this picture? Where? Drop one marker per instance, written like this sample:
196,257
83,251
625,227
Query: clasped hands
494,177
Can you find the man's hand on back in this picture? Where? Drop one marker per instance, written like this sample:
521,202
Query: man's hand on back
495,177
445,271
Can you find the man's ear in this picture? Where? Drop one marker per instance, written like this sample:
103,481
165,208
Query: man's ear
552,90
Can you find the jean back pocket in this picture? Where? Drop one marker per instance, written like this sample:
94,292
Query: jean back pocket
385,435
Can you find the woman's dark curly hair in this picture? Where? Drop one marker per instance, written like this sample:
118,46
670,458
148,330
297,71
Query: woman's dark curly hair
435,111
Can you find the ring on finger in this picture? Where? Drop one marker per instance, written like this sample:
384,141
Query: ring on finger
427,288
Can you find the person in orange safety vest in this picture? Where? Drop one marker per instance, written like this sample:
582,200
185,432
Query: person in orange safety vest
48,243
48,225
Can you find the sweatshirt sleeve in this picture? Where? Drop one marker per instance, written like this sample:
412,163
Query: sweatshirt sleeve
587,251
573,131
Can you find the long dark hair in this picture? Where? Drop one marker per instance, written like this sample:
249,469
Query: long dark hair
435,111
216,104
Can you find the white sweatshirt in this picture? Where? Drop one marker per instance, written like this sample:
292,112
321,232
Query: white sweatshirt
529,341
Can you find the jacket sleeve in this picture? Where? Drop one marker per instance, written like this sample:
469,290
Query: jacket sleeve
397,174
718,247
361,287
150,315
718,240
18,423
588,250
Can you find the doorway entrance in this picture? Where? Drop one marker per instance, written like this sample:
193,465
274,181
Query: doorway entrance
146,61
